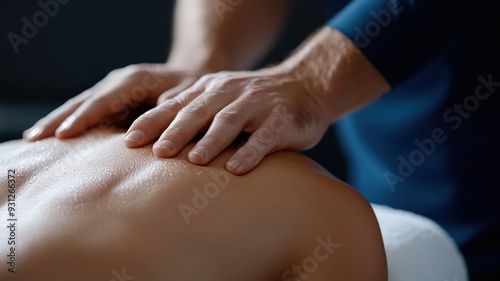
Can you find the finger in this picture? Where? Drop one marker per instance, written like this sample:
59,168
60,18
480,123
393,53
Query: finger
227,125
250,155
151,124
47,126
88,114
185,84
190,121
262,142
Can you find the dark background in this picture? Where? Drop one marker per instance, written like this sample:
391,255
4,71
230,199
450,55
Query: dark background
85,40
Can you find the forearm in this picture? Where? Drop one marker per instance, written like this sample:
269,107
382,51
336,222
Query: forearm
344,68
225,34
336,74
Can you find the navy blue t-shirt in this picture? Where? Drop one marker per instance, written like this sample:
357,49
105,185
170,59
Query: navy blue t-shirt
431,144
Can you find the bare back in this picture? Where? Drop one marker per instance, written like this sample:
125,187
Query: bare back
90,208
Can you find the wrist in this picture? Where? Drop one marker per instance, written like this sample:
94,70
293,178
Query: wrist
335,73
201,61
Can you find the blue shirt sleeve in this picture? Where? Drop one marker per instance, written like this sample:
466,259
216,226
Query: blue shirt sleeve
400,36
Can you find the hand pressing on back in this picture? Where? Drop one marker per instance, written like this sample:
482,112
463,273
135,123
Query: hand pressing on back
273,105
113,98
288,106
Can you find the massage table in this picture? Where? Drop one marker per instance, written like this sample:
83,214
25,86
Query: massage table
417,248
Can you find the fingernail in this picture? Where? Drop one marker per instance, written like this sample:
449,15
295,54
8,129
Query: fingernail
135,136
234,163
198,152
33,133
65,125
163,147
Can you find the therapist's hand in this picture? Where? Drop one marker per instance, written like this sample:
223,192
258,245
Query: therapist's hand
287,106
274,105
114,97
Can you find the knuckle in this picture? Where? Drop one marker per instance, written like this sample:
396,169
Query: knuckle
232,118
173,105
223,79
224,83
254,91
224,72
249,154
145,121
176,132
282,113
264,136
260,138
195,110
170,100
135,71
206,78
210,141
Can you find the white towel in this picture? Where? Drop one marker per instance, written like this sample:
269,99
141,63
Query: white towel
417,248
